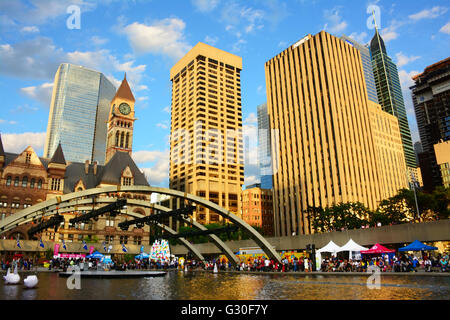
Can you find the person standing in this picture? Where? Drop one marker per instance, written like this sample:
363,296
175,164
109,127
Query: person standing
306,263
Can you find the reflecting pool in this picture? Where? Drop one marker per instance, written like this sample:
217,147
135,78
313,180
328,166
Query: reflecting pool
177,285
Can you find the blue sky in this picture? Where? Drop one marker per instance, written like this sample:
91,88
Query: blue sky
145,39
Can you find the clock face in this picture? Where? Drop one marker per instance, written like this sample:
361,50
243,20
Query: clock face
124,109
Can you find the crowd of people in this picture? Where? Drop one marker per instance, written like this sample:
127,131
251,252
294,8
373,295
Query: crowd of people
402,263
21,264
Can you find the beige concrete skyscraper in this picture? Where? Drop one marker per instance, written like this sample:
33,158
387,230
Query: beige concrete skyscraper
317,99
389,152
206,147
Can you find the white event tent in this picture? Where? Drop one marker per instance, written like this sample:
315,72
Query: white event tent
352,246
331,247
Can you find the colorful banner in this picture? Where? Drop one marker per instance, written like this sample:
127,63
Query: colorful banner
56,250
70,256
91,250
160,250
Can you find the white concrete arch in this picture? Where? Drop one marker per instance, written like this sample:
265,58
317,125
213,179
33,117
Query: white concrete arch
13,220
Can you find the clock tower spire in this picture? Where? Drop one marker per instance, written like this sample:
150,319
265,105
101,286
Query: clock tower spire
121,121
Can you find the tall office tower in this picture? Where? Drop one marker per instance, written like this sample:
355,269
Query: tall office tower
390,94
206,147
431,98
367,67
78,114
317,99
389,151
264,147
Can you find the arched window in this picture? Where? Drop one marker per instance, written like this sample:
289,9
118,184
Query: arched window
122,137
127,141
32,183
16,182
24,182
8,181
39,184
117,138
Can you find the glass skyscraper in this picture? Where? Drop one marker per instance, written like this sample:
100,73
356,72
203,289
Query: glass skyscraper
390,95
367,67
264,147
78,114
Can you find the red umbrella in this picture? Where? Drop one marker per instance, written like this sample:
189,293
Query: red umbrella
378,248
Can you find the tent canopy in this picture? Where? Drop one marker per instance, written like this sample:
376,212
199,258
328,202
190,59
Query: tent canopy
142,256
417,246
378,248
352,246
330,247
95,255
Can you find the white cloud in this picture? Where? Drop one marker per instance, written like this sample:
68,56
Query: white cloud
205,5
98,40
41,93
406,82
167,109
445,29
251,119
211,40
359,37
250,180
163,37
17,142
24,109
429,13
158,173
335,23
31,29
404,60
41,11
11,122
163,125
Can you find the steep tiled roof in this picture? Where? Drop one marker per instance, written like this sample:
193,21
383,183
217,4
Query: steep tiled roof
107,174
124,90
2,152
58,156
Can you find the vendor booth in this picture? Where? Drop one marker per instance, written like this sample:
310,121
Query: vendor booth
417,246
354,250
331,247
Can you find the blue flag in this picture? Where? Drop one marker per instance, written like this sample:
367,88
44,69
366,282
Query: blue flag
142,249
123,248
41,244
85,245
18,244
104,246
64,245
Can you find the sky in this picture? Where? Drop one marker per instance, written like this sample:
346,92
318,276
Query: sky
146,38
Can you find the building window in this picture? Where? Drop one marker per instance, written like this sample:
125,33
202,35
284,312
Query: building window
15,205
8,181
39,184
3,204
123,239
32,183
56,184
137,240
109,222
127,181
117,138
16,182
24,182
28,158
109,239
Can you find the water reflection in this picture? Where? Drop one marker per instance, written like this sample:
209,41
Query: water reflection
209,286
